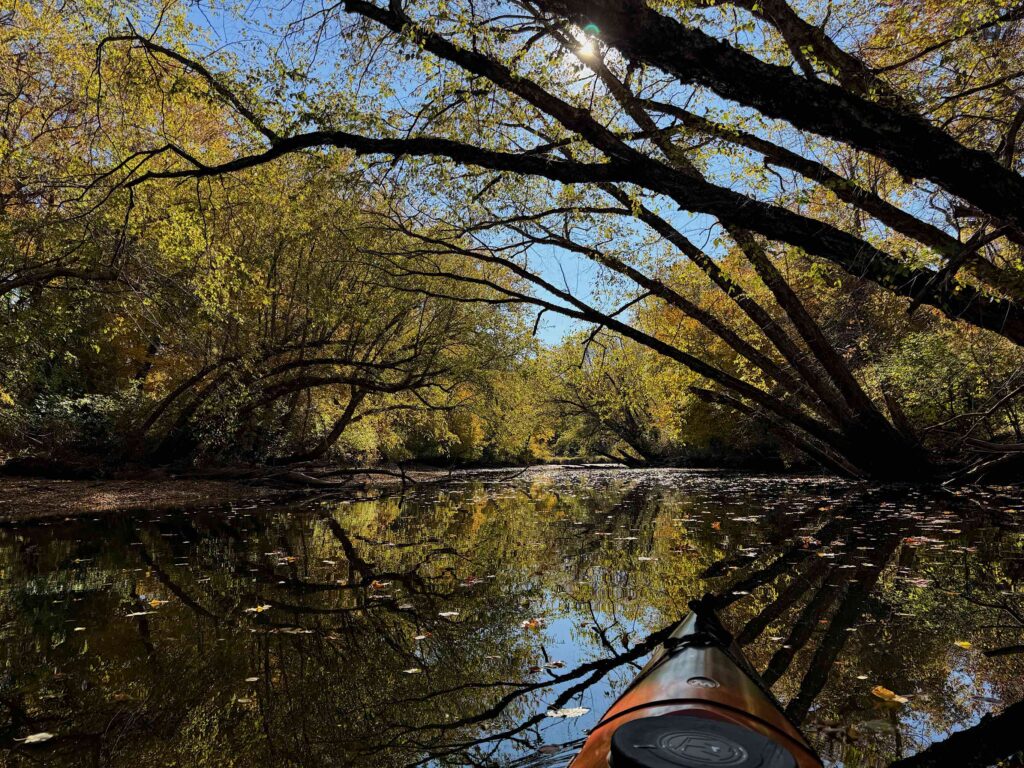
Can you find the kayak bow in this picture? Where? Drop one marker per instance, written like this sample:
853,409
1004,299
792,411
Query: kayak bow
697,703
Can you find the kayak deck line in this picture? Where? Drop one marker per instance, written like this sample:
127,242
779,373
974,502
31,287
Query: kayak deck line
696,703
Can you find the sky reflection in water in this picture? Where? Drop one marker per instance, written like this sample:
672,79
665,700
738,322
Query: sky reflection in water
444,626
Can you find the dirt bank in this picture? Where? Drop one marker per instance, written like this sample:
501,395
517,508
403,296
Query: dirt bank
37,498
34,498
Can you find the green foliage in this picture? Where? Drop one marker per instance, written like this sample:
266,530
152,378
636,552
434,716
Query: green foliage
233,319
622,401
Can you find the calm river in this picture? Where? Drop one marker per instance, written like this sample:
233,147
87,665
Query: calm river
489,620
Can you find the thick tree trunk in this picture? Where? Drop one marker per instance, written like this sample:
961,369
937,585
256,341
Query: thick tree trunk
996,737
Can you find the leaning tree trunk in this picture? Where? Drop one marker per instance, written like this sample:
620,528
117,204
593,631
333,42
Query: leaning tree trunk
319,450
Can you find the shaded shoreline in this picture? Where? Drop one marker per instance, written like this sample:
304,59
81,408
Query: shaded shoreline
24,499
31,498
27,499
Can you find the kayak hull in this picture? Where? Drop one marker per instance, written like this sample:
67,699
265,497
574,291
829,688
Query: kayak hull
701,681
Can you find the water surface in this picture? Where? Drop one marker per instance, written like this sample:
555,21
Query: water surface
455,624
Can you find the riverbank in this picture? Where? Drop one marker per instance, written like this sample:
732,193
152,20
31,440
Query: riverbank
24,498
30,498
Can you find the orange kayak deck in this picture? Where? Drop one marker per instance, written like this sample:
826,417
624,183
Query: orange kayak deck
693,705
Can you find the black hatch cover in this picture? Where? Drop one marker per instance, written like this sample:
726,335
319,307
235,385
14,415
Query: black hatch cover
683,741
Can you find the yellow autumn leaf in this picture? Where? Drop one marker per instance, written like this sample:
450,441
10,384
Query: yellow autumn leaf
886,695
962,644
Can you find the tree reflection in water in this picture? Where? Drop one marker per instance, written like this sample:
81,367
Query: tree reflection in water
443,627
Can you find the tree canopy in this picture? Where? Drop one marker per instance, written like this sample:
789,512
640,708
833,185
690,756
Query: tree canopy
804,219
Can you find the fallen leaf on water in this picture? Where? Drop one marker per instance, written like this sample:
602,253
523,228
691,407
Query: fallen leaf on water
886,695
962,644
258,609
157,603
424,636
569,712
716,526
379,584
412,671
532,624
35,738
448,614
251,679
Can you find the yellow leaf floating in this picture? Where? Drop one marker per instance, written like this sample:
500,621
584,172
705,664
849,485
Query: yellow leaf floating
258,609
962,644
886,695
157,603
